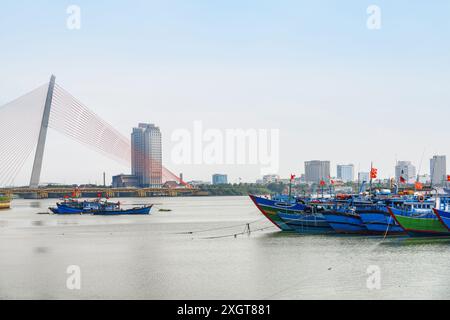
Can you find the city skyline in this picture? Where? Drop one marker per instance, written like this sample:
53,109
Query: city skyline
363,87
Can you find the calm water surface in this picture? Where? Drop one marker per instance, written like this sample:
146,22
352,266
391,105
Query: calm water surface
155,257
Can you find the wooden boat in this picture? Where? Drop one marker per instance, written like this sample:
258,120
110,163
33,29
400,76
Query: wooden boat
377,219
97,207
307,222
417,218
113,211
271,208
5,203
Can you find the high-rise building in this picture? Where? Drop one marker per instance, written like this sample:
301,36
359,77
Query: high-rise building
405,170
363,177
219,178
269,178
346,172
317,170
438,170
146,155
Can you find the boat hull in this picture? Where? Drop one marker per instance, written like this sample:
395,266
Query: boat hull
65,210
307,223
270,209
134,211
379,222
345,223
444,217
428,226
5,205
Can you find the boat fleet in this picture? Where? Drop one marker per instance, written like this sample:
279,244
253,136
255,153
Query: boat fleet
415,215
96,207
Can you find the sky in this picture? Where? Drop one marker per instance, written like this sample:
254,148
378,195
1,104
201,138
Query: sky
335,89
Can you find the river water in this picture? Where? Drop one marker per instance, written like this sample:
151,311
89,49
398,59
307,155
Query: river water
156,256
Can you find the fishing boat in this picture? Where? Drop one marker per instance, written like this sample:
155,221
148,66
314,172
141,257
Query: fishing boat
272,207
377,219
308,222
345,221
113,210
417,218
5,202
74,206
443,212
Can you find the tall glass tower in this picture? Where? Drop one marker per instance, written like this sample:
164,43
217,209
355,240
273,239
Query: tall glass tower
146,155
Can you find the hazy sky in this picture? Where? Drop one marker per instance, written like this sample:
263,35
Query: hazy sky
312,69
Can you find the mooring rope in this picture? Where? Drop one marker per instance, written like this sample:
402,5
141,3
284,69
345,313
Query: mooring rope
221,228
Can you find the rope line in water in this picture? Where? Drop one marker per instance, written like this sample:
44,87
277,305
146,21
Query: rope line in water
220,228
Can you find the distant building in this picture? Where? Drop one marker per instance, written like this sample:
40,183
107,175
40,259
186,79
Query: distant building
317,170
363,176
195,183
346,172
270,178
424,178
438,170
406,170
125,181
146,155
219,179
171,185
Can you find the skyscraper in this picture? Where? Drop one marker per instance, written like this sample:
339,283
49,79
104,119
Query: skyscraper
346,172
317,170
363,177
146,155
438,170
219,178
405,170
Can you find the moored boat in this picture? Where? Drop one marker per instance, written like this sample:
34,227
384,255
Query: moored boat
113,211
308,222
377,219
5,202
271,208
345,221
417,218
443,212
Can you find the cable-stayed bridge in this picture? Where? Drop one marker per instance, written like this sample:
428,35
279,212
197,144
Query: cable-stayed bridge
25,121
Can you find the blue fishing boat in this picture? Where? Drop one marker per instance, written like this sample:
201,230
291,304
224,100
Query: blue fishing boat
444,217
72,206
343,216
272,207
307,222
377,219
114,211
345,220
97,207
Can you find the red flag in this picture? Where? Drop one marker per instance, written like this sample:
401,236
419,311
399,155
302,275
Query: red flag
419,186
292,177
402,180
373,173
74,194
448,177
322,183
99,195
66,197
